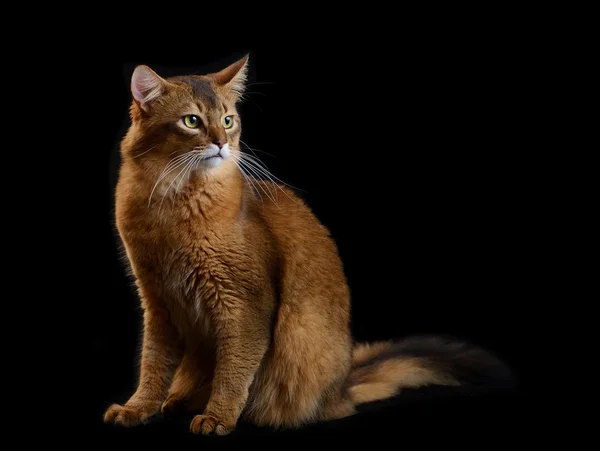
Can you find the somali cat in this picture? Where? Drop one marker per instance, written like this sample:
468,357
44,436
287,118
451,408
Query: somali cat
245,301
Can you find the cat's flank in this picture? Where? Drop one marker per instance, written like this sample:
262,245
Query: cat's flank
245,301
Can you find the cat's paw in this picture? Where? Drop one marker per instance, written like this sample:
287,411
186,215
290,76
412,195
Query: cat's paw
128,416
209,425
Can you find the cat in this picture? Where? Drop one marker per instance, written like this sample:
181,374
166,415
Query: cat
246,303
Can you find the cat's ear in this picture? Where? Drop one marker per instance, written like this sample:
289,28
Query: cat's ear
146,86
234,76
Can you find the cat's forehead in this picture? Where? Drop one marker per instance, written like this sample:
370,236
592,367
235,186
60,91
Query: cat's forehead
202,88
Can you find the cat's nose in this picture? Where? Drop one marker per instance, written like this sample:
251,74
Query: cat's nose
221,143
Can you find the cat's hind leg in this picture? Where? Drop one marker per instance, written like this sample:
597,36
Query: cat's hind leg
190,389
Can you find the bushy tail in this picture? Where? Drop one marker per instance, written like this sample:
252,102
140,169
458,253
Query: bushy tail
380,370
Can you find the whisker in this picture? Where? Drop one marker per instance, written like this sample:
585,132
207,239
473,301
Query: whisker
248,99
258,150
188,162
262,175
170,167
185,172
260,182
260,164
145,152
190,168
248,178
253,181
260,83
255,175
264,172
162,176
177,159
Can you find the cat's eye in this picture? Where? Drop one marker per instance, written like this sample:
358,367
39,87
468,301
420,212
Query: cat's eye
227,122
191,121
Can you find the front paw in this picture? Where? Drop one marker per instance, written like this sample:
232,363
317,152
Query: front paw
208,425
129,416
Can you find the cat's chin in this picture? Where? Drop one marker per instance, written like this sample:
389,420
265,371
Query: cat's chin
213,162
219,155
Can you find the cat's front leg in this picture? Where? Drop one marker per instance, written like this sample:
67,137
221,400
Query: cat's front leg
242,341
161,353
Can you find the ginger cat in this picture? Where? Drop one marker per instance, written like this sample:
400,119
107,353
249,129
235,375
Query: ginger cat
246,305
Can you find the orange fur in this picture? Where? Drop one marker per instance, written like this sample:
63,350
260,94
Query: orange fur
386,378
246,305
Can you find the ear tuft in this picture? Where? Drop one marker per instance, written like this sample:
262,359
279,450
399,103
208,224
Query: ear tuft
146,86
234,76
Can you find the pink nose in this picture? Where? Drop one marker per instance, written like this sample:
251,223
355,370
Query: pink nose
221,143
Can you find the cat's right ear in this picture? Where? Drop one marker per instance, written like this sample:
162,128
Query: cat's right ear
146,86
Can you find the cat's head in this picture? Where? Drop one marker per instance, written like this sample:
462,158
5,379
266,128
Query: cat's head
186,121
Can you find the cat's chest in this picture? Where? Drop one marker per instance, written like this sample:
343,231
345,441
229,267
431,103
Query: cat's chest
190,272
181,260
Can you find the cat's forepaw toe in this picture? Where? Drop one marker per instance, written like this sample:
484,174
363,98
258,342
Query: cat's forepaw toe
127,416
209,425
121,416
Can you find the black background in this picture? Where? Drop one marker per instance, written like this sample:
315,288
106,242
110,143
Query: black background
408,148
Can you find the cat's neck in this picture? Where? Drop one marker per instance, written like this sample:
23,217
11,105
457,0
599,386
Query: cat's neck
214,196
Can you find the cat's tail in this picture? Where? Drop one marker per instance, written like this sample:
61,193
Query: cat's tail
381,369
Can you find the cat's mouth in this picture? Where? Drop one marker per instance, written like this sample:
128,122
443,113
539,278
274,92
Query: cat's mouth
215,153
213,157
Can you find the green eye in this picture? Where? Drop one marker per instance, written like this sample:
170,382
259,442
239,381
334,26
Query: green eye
227,122
191,121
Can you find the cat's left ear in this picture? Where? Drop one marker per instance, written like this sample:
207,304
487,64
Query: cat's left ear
234,76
